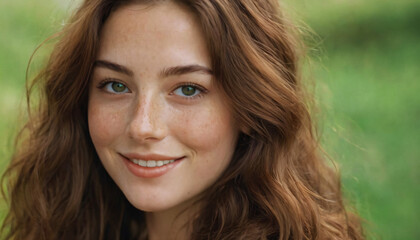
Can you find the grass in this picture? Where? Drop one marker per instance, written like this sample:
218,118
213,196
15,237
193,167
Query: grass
374,121
368,90
366,85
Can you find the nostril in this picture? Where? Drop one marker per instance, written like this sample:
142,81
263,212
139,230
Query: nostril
146,121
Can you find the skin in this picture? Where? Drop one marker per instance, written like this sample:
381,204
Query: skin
151,113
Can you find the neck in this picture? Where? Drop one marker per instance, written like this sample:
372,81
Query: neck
170,224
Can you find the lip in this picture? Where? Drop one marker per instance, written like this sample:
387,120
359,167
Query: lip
150,172
154,157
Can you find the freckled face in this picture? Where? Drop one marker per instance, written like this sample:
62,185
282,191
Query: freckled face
153,98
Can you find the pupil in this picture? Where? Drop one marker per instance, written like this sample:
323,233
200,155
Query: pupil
188,90
118,87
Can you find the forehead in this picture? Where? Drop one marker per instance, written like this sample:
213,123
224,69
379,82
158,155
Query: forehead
165,16
165,28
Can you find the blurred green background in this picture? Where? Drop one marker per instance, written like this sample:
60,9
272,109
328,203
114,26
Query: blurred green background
366,65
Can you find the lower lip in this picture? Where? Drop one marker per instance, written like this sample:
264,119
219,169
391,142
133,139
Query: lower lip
152,172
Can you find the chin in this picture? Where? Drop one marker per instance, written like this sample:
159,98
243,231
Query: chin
153,207
149,205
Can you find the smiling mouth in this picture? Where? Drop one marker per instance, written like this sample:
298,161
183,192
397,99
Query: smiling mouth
150,160
152,163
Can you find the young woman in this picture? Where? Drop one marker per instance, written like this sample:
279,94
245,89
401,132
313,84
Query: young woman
173,120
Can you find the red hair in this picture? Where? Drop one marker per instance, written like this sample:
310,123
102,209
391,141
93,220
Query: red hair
277,186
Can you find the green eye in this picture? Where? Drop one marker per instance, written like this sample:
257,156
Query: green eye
115,87
118,87
187,91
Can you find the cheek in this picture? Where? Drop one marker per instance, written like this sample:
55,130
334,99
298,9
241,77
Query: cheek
105,124
206,130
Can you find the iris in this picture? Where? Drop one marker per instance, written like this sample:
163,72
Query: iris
118,87
188,90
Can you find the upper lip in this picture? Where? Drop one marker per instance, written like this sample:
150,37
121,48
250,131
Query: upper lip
150,156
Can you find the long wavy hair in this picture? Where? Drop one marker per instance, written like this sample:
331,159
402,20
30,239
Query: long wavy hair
278,184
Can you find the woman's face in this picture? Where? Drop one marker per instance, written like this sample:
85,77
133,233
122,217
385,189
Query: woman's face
157,118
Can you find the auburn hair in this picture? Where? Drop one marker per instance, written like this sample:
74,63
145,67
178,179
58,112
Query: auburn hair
278,184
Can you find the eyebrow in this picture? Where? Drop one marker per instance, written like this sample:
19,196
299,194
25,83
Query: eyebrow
113,66
177,70
180,70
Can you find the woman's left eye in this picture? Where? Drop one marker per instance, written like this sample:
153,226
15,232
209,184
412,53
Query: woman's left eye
115,87
187,91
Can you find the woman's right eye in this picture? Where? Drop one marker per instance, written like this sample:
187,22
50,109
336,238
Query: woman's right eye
114,87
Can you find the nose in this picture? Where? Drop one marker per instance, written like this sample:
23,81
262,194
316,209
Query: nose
146,122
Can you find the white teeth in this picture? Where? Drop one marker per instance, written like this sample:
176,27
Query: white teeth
142,163
151,163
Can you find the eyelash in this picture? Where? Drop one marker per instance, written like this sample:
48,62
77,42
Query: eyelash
202,90
107,81
196,86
